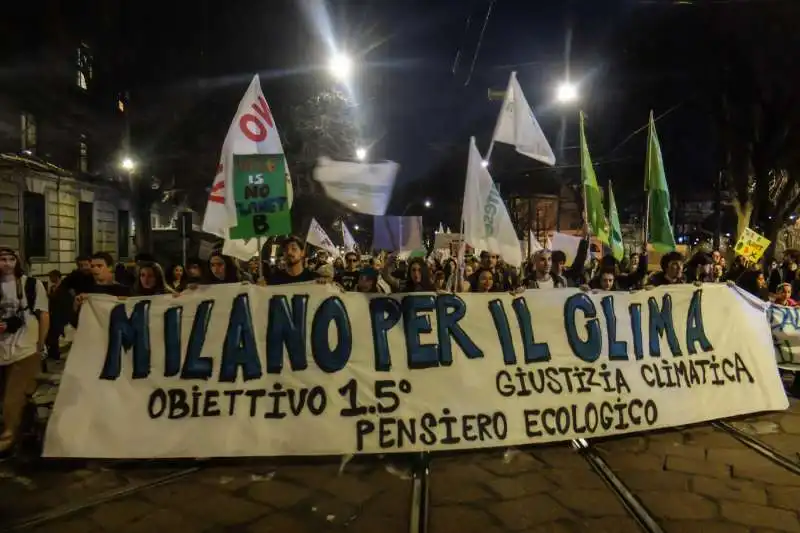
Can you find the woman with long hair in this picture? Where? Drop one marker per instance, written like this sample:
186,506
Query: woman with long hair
150,280
177,278
418,277
222,269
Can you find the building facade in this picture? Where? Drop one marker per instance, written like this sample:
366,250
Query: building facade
50,216
62,134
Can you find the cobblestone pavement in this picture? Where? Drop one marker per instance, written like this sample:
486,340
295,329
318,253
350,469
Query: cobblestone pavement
701,479
696,479
779,430
364,498
540,489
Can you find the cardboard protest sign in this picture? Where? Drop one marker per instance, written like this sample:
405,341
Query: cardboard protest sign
262,206
233,370
751,245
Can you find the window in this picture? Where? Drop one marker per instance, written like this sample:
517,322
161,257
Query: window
123,233
83,155
85,228
35,227
28,132
84,67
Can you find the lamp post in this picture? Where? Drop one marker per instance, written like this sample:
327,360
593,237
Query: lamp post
566,96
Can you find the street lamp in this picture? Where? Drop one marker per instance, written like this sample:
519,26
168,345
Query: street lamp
426,203
356,227
361,153
484,163
341,66
567,92
127,164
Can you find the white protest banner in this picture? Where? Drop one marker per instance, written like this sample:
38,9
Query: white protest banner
243,370
785,325
363,187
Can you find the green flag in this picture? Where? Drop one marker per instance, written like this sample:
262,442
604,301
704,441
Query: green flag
655,183
593,198
617,248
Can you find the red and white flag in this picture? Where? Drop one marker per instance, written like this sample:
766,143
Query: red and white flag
252,131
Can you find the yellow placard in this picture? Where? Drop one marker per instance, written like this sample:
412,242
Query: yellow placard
751,245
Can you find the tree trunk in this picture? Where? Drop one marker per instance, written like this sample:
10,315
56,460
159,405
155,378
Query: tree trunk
743,215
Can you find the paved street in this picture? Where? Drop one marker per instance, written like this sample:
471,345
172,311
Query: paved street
693,479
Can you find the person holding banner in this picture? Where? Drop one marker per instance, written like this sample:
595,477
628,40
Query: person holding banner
542,276
150,280
294,254
622,281
783,295
418,276
671,270
348,278
222,269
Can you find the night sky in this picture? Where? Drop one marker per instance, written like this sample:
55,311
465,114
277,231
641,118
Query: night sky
411,99
188,67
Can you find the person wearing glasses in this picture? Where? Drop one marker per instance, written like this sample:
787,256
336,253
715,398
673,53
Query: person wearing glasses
348,278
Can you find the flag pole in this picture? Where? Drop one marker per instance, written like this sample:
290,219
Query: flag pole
260,245
646,226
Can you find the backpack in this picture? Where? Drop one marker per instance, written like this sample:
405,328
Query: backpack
30,295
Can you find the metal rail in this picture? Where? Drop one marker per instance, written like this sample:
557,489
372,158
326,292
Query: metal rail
631,503
755,444
420,494
68,509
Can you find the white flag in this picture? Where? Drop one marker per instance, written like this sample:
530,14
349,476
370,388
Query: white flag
363,187
252,131
318,237
347,237
241,249
516,125
487,225
535,244
441,228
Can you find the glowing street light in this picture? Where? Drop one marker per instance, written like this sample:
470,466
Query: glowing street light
484,163
356,227
361,153
127,164
567,92
427,203
341,66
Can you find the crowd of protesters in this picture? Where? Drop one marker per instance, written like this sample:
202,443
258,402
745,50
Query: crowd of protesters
52,306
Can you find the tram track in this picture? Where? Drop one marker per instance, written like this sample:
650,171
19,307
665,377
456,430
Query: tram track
72,508
758,446
419,487
635,508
